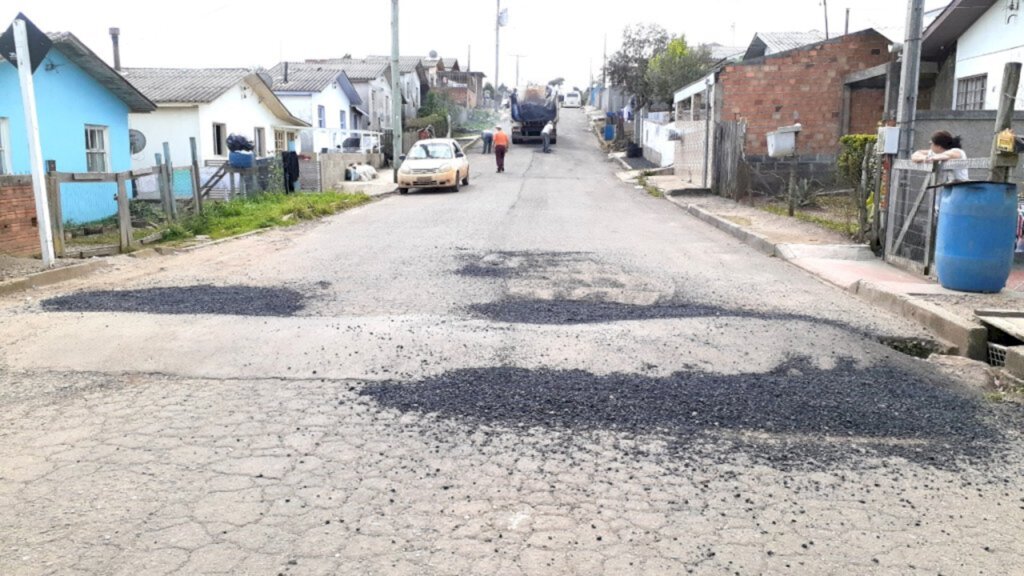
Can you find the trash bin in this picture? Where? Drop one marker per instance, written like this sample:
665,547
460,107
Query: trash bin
976,236
609,132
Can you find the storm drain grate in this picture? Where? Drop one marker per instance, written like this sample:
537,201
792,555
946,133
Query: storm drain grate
996,355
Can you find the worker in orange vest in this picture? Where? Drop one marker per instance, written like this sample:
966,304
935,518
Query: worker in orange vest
500,147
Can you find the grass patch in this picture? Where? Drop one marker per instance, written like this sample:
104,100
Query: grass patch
242,215
826,219
648,187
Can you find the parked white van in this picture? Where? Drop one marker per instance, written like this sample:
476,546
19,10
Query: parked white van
572,100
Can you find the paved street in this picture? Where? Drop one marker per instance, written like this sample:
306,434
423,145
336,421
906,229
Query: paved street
549,372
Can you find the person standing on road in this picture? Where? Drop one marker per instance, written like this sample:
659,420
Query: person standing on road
500,147
487,137
545,134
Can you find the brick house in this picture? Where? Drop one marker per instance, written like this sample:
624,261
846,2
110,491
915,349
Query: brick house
19,230
814,85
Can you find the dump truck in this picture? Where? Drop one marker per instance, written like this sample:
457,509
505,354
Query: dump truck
533,106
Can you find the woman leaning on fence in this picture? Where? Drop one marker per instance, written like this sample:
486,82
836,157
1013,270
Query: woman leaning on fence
944,146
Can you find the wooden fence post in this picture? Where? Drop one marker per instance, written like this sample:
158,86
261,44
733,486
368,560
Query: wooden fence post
53,200
170,181
161,184
124,213
196,179
1003,166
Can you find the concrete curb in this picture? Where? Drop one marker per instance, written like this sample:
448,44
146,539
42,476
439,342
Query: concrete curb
969,338
50,277
759,243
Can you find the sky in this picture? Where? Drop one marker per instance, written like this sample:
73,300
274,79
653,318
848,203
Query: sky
552,38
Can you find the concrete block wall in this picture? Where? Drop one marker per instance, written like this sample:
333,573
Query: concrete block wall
19,232
803,85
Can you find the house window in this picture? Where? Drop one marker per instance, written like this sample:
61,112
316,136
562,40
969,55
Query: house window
5,152
260,140
321,117
342,120
220,139
96,157
280,144
970,93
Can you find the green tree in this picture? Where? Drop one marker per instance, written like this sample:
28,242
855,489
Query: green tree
627,68
676,66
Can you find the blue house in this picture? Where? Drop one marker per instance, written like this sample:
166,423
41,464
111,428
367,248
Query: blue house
82,105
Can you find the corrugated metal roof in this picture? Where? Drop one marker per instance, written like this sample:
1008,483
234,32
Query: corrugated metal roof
719,52
308,77
186,85
768,43
73,48
304,77
406,64
450,63
357,70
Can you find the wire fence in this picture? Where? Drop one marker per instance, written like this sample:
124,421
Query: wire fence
912,214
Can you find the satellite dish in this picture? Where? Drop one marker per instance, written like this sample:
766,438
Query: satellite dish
433,54
137,140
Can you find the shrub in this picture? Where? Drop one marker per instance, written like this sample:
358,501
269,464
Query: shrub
851,157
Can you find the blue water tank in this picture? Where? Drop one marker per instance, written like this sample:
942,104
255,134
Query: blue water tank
609,132
977,231
240,159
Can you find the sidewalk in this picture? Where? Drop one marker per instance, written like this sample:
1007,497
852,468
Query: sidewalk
852,267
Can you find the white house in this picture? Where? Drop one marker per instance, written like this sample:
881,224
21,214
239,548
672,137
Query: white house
414,81
322,96
372,81
209,104
978,37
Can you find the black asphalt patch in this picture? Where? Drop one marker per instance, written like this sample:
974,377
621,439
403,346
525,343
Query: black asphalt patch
795,415
201,299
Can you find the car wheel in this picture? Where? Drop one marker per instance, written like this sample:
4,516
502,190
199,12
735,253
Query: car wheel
465,181
455,188
403,190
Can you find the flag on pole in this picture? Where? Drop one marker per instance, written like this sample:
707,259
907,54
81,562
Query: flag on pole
503,17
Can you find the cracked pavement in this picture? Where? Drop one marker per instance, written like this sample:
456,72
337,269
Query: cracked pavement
436,393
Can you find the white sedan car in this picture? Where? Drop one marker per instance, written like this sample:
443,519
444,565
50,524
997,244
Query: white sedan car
434,163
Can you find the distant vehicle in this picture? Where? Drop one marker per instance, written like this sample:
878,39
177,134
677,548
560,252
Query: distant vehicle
573,100
434,163
533,106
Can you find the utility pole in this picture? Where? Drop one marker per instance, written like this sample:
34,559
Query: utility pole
35,152
497,57
604,75
909,81
517,57
825,4
396,93
847,31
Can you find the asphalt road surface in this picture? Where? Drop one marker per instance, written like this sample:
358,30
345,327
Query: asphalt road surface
548,372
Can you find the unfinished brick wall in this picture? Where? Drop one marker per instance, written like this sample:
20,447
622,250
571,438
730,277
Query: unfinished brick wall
866,109
804,85
19,233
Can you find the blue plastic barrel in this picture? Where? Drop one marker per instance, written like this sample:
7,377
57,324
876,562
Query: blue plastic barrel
977,231
609,132
240,159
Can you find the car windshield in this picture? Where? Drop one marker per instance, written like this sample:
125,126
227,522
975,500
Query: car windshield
424,151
